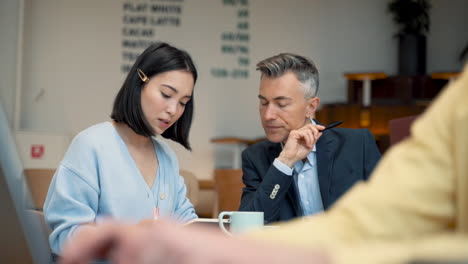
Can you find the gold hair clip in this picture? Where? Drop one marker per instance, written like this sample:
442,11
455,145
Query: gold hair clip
142,76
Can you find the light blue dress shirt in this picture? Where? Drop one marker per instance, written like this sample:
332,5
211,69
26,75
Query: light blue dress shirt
306,180
99,179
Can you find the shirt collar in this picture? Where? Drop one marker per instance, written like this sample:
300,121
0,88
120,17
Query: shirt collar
314,149
310,159
311,155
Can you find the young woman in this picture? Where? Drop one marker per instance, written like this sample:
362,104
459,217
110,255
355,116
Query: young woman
122,169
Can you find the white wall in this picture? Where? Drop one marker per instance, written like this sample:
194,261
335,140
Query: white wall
72,58
449,35
8,48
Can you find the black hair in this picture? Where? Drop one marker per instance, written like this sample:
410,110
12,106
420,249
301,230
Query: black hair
157,58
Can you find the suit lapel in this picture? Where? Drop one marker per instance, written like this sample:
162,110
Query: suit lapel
293,195
274,149
326,148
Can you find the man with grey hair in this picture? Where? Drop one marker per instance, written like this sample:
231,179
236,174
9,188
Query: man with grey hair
300,169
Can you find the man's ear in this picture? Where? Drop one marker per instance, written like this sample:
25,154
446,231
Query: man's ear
312,106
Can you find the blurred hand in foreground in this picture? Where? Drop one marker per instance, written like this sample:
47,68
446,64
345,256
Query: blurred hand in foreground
163,242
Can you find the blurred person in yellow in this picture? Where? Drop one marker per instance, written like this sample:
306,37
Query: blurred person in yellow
415,207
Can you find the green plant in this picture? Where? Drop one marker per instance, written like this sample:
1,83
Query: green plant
411,16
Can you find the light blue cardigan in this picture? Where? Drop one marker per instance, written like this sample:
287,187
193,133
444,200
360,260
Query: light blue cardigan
98,179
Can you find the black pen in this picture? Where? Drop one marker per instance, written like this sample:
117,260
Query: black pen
332,125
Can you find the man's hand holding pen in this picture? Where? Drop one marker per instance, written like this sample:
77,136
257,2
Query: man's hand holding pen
300,142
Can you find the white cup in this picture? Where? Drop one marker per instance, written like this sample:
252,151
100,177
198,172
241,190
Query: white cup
241,222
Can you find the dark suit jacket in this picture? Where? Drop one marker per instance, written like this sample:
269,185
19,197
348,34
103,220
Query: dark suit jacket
344,156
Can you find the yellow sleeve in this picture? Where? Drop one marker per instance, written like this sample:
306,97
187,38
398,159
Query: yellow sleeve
441,248
412,192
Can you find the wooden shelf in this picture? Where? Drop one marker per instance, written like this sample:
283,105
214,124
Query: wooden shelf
445,75
361,76
235,140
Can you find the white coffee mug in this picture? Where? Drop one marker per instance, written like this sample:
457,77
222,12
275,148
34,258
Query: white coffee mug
241,222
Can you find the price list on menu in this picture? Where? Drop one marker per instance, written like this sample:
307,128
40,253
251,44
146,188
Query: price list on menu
235,43
141,20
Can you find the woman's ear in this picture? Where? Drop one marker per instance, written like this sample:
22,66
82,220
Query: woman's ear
312,106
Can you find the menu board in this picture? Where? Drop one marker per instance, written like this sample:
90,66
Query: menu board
235,44
141,20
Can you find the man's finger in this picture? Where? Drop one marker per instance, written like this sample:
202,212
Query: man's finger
307,136
315,132
320,127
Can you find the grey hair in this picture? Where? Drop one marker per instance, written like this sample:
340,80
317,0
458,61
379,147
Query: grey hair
302,67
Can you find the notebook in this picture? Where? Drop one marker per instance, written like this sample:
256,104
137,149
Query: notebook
208,222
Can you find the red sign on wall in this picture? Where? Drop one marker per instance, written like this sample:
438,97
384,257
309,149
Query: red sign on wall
37,151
